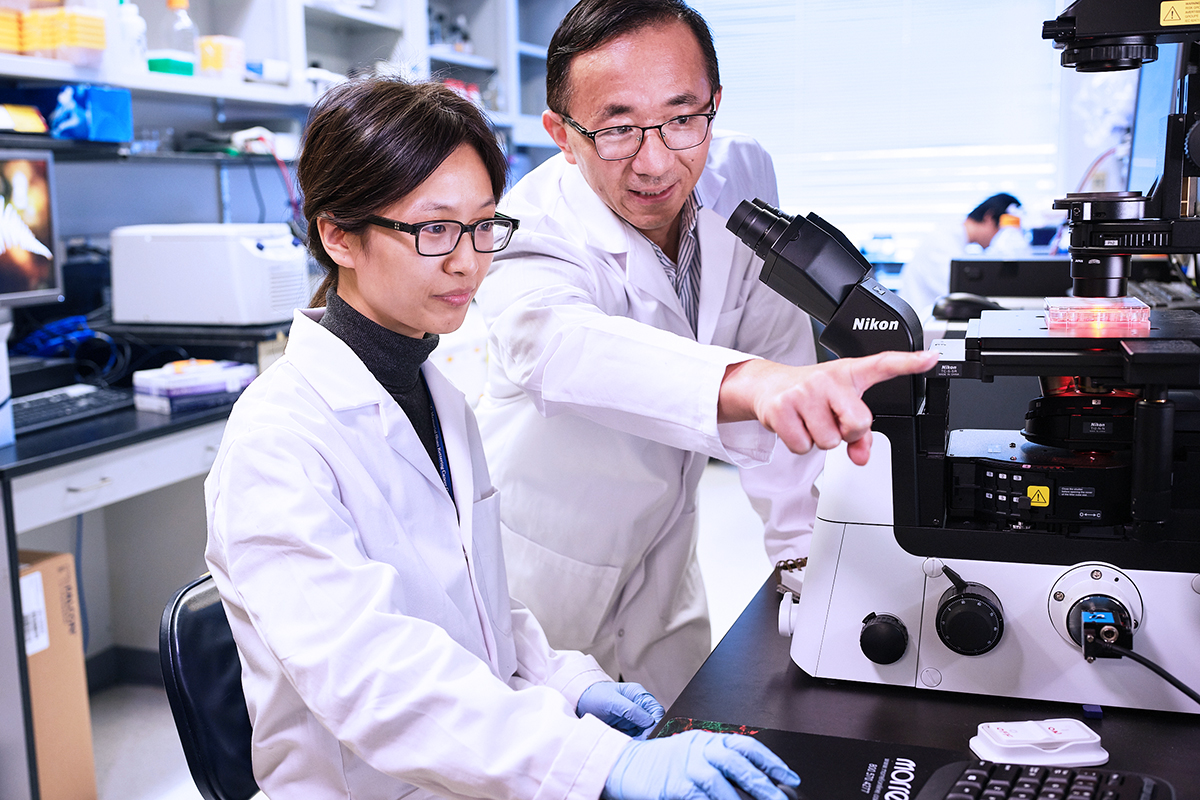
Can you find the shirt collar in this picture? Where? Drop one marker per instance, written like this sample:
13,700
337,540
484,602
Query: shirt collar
687,226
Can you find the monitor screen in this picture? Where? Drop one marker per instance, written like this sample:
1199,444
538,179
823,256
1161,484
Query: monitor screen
1155,100
30,263
1046,276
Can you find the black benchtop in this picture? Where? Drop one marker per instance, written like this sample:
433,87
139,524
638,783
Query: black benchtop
74,440
750,680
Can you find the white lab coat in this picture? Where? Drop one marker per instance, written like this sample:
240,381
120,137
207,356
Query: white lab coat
600,414
380,657
926,277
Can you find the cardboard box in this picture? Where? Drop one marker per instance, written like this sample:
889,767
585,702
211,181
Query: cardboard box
62,719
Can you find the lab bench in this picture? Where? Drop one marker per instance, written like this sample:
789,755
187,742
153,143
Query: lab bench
130,460
749,680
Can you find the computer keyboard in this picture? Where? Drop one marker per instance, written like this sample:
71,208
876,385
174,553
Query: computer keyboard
1165,294
78,401
984,780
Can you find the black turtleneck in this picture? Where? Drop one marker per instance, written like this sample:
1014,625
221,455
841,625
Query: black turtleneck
393,358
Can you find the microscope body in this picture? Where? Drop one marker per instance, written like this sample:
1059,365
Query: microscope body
1041,563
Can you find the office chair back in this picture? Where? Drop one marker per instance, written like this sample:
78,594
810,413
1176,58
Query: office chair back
203,678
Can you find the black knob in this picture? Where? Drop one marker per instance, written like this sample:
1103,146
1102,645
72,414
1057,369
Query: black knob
970,619
883,639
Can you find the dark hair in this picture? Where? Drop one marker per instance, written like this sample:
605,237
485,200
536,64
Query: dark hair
993,207
372,140
593,23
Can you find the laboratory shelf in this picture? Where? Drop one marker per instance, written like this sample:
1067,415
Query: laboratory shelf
28,70
531,50
349,17
446,55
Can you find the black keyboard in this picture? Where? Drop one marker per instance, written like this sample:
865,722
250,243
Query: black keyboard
983,780
66,404
1165,294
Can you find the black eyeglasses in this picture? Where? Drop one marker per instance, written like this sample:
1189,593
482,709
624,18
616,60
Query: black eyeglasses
624,141
439,237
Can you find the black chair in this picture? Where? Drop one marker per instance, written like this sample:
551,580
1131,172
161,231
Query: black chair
204,686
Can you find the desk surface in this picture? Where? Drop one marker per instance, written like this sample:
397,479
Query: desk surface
750,679
31,453
62,443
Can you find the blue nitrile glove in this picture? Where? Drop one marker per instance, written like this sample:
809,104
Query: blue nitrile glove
697,765
625,706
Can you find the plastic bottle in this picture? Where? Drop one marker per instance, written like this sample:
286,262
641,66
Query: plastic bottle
1010,241
127,50
460,35
175,46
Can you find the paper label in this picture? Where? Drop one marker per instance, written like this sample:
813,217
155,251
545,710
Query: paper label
33,609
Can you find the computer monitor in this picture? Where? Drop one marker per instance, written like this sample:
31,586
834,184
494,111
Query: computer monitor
30,254
1046,276
1156,99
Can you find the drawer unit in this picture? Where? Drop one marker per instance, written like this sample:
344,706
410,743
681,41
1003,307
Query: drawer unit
62,492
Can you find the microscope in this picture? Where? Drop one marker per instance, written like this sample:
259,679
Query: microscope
1060,562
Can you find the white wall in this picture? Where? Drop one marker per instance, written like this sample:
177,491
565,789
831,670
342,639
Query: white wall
889,117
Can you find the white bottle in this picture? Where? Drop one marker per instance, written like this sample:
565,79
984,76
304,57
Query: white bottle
175,46
129,42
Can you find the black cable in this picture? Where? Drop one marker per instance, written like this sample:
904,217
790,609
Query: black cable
262,206
127,364
157,351
83,616
1145,662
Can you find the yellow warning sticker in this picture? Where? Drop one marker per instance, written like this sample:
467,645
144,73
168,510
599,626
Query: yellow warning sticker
1179,12
1039,496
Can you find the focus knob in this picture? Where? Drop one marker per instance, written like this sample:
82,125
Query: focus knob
1191,144
883,638
970,619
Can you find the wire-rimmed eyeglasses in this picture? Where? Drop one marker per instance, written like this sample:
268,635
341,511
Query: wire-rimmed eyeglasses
439,237
624,141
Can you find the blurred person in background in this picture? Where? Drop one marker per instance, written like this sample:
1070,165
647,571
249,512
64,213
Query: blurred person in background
993,228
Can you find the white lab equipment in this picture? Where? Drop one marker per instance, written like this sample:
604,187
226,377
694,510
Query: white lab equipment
207,274
1053,563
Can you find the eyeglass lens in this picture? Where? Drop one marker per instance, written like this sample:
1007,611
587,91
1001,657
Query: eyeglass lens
680,133
440,238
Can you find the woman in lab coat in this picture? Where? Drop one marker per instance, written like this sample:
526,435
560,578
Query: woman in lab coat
353,528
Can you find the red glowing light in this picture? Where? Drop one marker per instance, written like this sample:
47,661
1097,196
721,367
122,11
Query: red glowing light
1097,316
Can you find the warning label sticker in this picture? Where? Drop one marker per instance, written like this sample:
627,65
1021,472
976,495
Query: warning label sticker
1039,496
1179,12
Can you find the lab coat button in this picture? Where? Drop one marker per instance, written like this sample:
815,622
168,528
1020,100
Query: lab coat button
621,632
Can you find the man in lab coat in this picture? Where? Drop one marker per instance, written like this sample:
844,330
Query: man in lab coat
927,276
621,320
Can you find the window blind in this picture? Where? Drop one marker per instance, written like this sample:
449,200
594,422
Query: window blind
886,117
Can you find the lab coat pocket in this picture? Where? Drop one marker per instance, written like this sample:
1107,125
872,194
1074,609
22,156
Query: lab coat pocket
569,598
489,562
726,329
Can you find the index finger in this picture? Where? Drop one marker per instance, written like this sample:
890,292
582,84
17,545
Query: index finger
880,367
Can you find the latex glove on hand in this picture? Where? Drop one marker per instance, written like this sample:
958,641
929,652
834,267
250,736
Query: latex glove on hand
698,765
625,706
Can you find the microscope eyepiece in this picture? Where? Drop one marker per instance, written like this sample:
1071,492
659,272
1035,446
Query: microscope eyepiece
757,224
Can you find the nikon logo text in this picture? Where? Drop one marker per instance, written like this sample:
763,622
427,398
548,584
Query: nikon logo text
872,324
